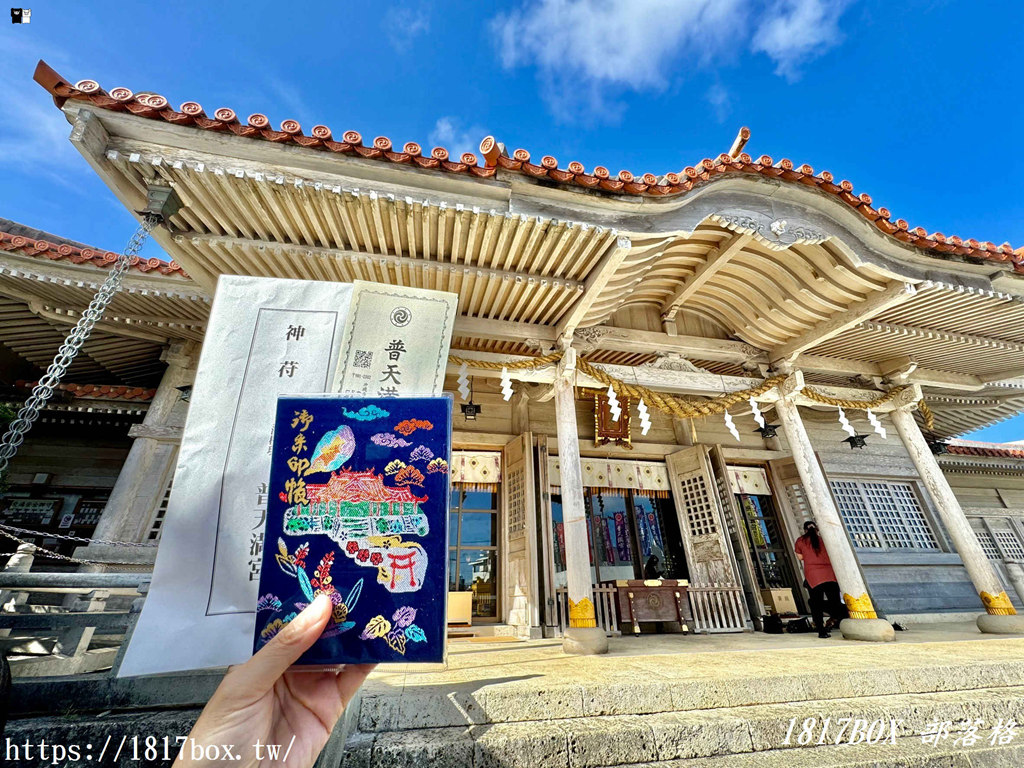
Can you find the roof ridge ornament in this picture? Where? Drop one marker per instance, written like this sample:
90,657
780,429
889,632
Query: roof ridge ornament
777,234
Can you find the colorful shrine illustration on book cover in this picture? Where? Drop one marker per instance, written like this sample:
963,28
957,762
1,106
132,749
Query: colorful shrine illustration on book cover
358,510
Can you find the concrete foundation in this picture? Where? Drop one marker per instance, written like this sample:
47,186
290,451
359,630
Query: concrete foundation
867,630
1001,625
585,641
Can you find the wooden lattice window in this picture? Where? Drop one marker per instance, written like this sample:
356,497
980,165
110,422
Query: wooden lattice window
699,505
988,544
799,504
515,514
1010,543
883,515
854,509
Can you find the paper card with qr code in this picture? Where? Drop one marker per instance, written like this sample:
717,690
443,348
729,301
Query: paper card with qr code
395,341
358,511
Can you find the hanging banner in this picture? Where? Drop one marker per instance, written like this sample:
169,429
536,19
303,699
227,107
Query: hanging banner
749,480
652,522
622,537
560,544
647,477
478,469
605,429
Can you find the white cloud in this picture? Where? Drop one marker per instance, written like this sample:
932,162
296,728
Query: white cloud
586,52
720,101
793,32
405,25
450,133
33,132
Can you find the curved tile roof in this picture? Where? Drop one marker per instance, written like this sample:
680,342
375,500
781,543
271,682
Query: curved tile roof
992,450
257,126
99,392
15,237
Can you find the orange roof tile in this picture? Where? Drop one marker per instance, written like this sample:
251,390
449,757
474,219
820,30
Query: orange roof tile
257,126
98,391
61,251
976,448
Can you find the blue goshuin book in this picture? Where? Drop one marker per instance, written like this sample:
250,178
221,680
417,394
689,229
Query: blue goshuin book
358,509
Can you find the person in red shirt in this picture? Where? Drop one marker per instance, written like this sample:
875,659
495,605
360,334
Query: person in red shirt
819,578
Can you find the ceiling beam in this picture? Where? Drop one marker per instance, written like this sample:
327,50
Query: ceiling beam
729,351
594,284
661,380
898,329
895,293
716,259
502,330
197,239
1014,373
90,138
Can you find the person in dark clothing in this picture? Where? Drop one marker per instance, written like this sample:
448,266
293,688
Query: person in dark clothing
651,568
820,579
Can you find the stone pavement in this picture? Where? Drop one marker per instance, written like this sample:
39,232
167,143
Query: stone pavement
717,700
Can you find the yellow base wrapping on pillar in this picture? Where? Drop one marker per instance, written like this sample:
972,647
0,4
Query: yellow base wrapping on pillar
998,605
582,614
860,607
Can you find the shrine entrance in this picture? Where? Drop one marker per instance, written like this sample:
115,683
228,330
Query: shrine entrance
765,534
631,535
473,548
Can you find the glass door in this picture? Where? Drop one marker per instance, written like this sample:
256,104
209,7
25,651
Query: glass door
473,549
771,565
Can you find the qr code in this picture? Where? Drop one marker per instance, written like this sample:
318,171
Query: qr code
364,359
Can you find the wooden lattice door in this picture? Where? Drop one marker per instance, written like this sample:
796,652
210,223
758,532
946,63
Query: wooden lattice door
520,586
701,522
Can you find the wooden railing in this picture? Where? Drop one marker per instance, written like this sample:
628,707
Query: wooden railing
717,608
604,607
70,631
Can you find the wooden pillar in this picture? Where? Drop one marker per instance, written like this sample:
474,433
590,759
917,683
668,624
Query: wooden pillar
143,478
863,623
583,635
983,575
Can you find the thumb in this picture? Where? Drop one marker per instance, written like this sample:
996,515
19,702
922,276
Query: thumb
259,673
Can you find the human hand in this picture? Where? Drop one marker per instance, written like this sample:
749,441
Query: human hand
264,702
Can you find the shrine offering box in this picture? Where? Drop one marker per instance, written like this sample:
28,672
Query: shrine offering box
358,509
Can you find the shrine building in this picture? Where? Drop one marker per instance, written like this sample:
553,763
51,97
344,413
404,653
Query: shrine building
699,361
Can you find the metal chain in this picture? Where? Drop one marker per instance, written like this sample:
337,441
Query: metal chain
83,539
49,553
44,388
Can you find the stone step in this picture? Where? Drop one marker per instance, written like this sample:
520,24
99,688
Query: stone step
906,753
756,732
456,704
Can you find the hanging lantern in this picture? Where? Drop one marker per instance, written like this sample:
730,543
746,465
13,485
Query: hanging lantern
856,441
874,422
464,382
645,417
939,447
506,384
470,410
768,431
731,426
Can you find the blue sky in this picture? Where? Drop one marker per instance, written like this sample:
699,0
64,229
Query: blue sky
914,102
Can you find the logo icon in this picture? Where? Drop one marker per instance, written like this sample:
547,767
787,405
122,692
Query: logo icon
400,317
21,15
